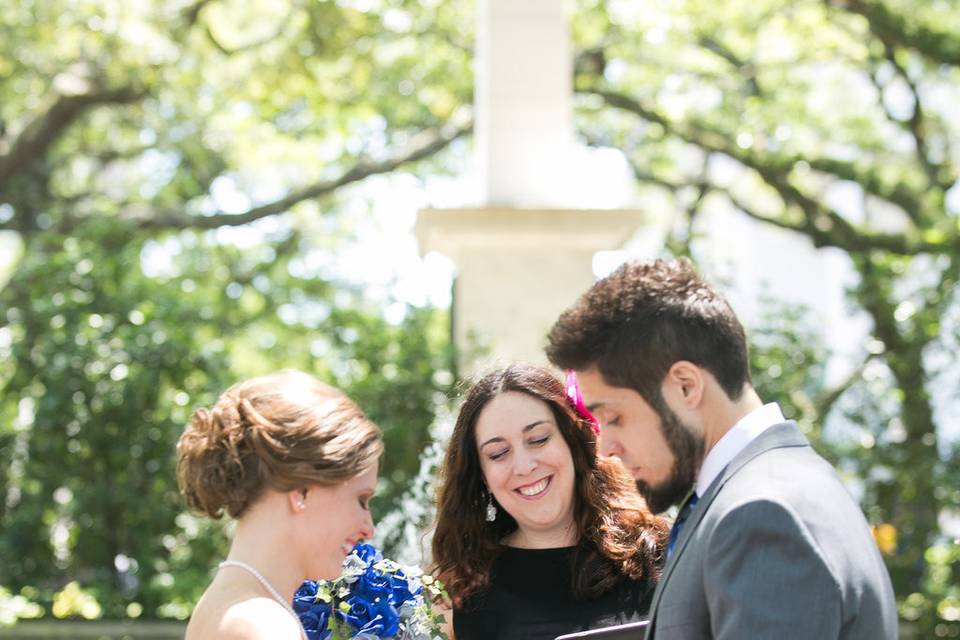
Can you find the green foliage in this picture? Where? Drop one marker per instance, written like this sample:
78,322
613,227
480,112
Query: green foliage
788,362
126,131
16,607
104,367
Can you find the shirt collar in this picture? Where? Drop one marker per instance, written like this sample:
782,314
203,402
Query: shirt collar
736,440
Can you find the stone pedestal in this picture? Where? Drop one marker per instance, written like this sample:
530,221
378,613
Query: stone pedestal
516,270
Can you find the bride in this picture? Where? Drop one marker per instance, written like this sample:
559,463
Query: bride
294,461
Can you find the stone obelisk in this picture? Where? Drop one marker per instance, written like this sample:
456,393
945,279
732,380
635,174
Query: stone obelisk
527,252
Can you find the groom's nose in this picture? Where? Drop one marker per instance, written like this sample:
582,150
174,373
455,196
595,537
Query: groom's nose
608,445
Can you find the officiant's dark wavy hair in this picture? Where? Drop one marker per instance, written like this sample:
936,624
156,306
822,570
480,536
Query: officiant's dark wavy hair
618,537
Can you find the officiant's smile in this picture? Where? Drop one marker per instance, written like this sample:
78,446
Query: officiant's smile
534,490
528,468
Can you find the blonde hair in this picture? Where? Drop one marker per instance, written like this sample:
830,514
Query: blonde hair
283,431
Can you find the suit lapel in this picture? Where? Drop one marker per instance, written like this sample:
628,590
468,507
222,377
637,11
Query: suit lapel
785,434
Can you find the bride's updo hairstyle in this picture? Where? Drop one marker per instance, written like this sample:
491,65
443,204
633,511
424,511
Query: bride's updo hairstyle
284,431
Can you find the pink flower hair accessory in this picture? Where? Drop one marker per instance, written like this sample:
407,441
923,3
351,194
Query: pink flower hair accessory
575,395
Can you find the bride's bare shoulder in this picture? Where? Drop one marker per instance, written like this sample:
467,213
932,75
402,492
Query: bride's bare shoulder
258,618
248,619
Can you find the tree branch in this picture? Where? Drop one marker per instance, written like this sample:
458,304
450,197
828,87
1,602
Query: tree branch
683,246
917,125
745,67
824,402
776,221
940,47
900,194
427,145
824,225
37,137
192,13
254,44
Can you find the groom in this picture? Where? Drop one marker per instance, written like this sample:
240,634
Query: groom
767,543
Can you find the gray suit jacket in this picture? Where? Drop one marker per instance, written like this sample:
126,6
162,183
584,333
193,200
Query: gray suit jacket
777,549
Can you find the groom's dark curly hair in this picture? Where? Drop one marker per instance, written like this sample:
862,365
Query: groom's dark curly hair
637,322
618,538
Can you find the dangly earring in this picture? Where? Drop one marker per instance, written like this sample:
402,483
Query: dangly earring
491,509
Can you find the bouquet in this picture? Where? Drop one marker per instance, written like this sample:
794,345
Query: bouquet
373,598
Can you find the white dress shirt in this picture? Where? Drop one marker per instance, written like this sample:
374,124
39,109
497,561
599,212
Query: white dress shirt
736,440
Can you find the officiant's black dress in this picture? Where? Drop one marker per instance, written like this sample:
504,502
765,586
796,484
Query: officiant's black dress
530,598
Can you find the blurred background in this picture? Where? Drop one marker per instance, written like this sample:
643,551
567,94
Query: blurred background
192,193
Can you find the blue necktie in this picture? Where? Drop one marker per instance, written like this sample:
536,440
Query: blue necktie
678,523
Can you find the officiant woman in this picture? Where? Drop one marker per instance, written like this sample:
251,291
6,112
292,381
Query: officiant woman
294,462
537,536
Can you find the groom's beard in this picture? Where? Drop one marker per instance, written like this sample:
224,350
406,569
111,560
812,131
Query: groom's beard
687,449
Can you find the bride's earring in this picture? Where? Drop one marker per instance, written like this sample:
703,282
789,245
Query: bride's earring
300,502
491,510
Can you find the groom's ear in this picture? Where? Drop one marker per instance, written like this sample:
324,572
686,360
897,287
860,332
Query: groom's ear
683,386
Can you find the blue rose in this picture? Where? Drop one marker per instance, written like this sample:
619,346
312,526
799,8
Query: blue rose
378,628
314,614
315,623
400,590
372,585
305,597
377,616
386,619
368,553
